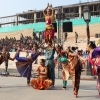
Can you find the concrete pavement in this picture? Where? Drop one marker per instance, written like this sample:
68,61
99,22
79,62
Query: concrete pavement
14,72
15,88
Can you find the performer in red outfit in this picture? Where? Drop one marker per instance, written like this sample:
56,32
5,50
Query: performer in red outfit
49,16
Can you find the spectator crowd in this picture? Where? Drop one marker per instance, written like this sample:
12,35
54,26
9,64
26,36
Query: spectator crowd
25,42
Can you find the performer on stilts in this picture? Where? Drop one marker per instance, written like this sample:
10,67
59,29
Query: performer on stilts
24,64
49,17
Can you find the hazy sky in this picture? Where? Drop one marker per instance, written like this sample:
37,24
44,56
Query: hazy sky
11,7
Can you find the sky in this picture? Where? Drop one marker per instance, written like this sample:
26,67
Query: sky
11,7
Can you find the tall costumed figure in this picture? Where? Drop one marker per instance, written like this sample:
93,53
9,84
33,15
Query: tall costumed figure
49,17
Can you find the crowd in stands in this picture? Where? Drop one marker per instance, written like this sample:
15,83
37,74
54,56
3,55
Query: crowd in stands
25,42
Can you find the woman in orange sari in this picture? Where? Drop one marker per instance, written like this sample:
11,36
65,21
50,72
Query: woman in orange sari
75,69
49,16
42,82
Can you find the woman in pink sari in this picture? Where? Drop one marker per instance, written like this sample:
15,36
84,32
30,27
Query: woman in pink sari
91,48
94,59
49,16
97,63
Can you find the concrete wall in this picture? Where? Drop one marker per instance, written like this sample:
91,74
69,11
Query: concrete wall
81,30
25,32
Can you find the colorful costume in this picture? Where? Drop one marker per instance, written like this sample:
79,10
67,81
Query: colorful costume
50,63
65,69
96,52
49,32
98,74
98,80
25,67
42,82
92,64
75,71
96,62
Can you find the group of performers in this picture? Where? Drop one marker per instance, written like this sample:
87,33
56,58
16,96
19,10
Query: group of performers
68,59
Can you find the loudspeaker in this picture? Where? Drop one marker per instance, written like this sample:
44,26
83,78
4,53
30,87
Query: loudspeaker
67,27
55,26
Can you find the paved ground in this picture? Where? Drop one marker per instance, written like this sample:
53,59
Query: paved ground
15,73
15,88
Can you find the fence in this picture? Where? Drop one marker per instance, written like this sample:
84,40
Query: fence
40,26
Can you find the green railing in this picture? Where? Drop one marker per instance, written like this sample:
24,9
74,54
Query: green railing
36,26
40,26
80,21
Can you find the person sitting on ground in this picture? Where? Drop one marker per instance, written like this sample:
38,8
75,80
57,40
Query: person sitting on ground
42,82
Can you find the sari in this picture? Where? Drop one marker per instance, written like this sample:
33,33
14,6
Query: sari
97,63
75,71
96,52
24,67
65,68
49,31
93,65
42,82
98,79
